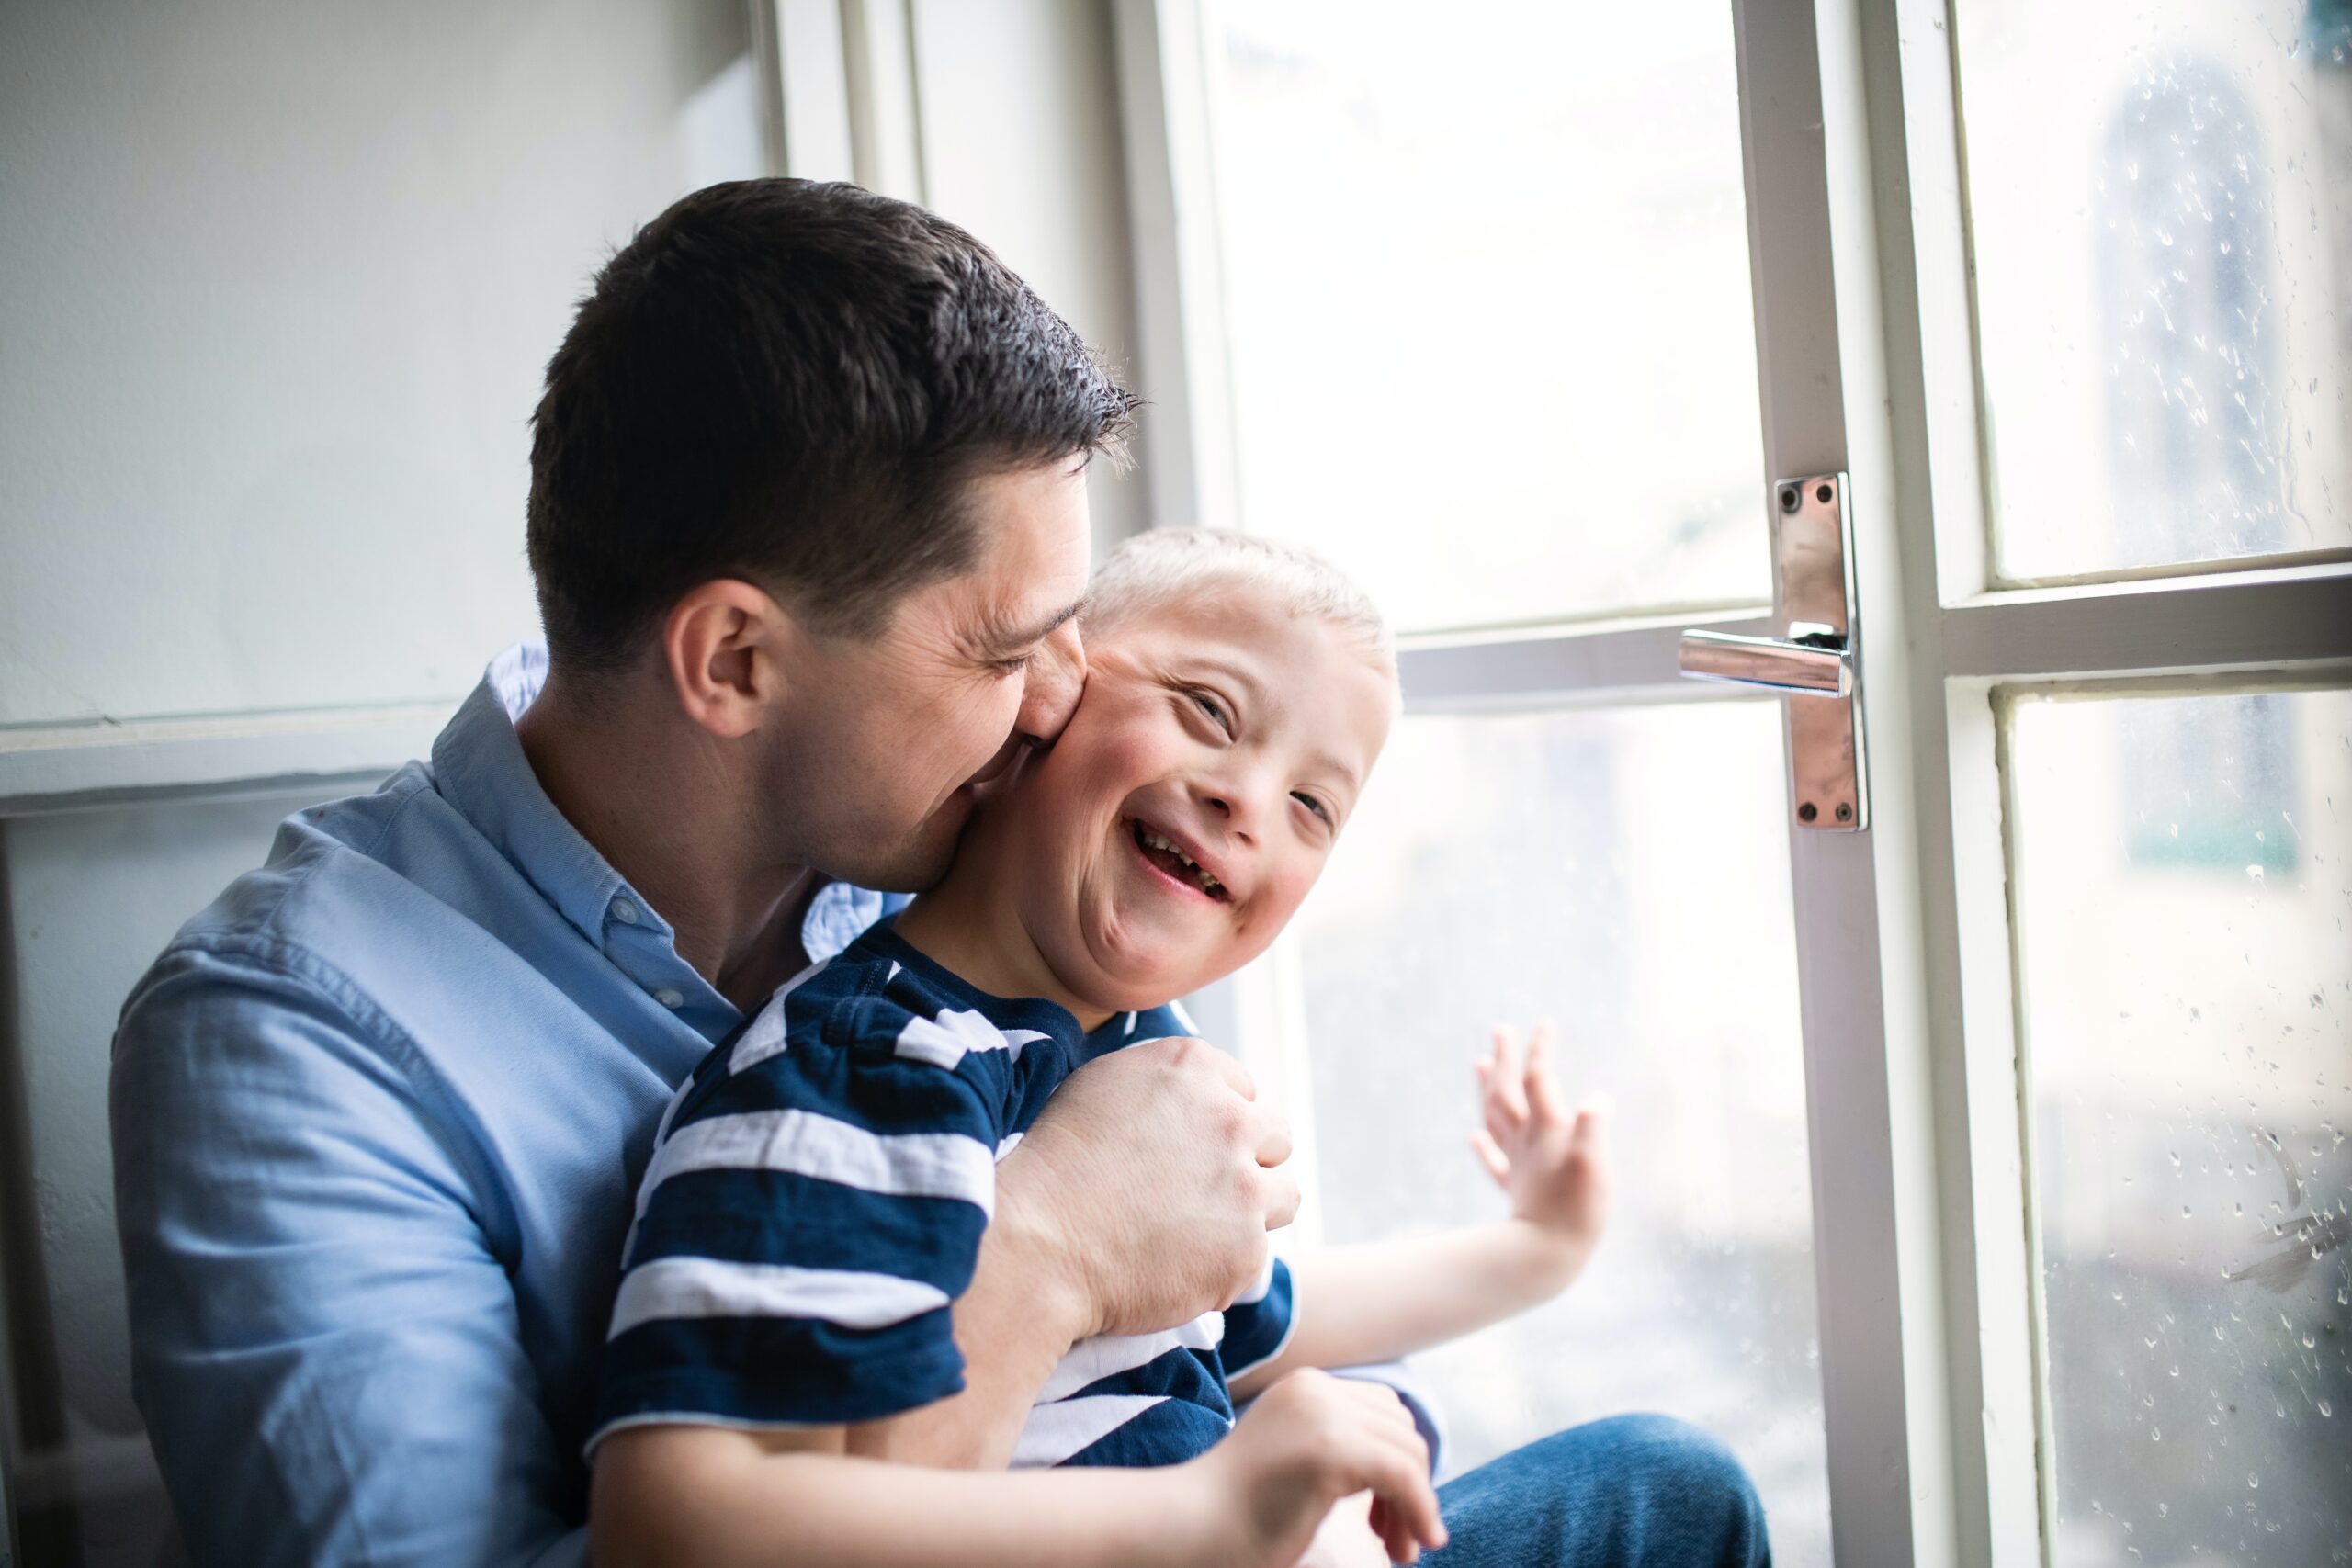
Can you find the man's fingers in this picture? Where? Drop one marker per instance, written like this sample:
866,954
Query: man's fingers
1279,1199
1273,1137
1233,1072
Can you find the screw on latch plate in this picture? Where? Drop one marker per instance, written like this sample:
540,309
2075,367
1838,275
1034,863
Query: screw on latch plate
1815,658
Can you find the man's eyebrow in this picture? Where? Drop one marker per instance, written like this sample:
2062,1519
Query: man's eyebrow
1002,640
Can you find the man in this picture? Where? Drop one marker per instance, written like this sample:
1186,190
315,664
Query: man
808,521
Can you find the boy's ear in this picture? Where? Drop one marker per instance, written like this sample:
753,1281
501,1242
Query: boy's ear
725,646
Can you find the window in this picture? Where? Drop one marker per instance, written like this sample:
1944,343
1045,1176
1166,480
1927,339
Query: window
2160,200
2087,965
1415,225
2189,1039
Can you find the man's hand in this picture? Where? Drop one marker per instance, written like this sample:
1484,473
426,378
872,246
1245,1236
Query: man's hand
1146,1188
1551,1161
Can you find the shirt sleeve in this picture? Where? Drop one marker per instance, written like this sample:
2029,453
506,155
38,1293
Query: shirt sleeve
806,1225
1258,1325
308,1270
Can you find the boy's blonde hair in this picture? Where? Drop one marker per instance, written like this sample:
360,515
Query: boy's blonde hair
1169,565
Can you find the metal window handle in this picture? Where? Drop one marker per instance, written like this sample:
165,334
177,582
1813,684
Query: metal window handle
1785,665
1816,663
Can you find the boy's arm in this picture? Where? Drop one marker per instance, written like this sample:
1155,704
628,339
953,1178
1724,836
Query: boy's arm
717,1496
1380,1300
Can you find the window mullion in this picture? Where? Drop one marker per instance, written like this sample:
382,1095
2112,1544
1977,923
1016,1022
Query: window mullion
2269,619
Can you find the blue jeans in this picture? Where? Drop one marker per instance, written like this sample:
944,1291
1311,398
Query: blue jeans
1630,1492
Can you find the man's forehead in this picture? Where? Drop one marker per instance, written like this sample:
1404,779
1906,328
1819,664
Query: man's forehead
1009,627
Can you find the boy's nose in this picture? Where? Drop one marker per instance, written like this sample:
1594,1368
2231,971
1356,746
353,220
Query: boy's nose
1232,805
1056,676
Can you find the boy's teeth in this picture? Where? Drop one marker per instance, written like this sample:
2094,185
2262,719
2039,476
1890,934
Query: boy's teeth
1158,841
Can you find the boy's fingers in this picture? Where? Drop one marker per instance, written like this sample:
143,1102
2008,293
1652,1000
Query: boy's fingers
1543,1094
1499,1126
1490,1154
1412,1501
1507,1090
1592,1128
1412,1504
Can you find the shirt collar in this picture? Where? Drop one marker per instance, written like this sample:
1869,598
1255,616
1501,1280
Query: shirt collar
478,766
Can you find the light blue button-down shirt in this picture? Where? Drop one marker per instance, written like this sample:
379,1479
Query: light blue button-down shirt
378,1113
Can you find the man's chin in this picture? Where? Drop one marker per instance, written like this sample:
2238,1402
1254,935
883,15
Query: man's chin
917,863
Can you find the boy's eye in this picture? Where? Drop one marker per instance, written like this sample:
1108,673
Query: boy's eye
1214,709
1314,806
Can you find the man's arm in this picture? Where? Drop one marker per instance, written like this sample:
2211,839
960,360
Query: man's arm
1139,1200
325,1349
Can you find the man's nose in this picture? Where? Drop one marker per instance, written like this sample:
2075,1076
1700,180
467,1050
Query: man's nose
1057,675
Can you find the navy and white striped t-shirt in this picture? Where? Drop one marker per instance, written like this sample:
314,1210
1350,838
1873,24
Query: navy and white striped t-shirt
815,1201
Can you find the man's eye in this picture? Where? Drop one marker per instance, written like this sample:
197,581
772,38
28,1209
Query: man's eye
1314,806
1214,709
1014,665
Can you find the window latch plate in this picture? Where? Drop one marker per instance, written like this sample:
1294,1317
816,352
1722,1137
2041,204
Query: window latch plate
1816,663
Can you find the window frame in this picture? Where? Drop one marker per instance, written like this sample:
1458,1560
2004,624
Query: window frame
1866,342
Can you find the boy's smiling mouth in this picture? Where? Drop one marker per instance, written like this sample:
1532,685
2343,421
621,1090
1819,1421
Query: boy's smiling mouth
1163,856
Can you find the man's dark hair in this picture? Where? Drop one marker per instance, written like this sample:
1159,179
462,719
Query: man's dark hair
795,384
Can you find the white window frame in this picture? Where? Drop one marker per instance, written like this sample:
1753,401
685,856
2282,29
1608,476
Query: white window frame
1866,358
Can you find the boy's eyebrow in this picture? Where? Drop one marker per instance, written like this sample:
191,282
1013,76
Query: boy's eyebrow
1256,691
1343,767
1001,641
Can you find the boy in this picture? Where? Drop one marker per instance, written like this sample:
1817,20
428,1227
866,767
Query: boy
820,1188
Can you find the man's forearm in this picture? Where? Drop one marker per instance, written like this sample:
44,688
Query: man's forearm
1013,1326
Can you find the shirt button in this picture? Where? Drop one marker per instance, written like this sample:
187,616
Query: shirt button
669,999
624,911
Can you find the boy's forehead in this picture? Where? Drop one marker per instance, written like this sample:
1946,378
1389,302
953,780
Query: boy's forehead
1249,636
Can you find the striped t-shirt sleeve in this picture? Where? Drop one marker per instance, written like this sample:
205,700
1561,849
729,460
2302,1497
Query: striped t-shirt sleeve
804,1225
1258,1325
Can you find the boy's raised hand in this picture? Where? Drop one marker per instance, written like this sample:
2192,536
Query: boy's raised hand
1550,1160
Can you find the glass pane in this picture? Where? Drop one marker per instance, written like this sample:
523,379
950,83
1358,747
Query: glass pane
2183,879
1624,874
1491,343
2161,198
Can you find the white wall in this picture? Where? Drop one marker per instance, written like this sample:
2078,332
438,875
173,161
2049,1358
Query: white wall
276,286
1020,118
279,284
281,281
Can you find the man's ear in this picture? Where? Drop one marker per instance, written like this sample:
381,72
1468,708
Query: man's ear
727,646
